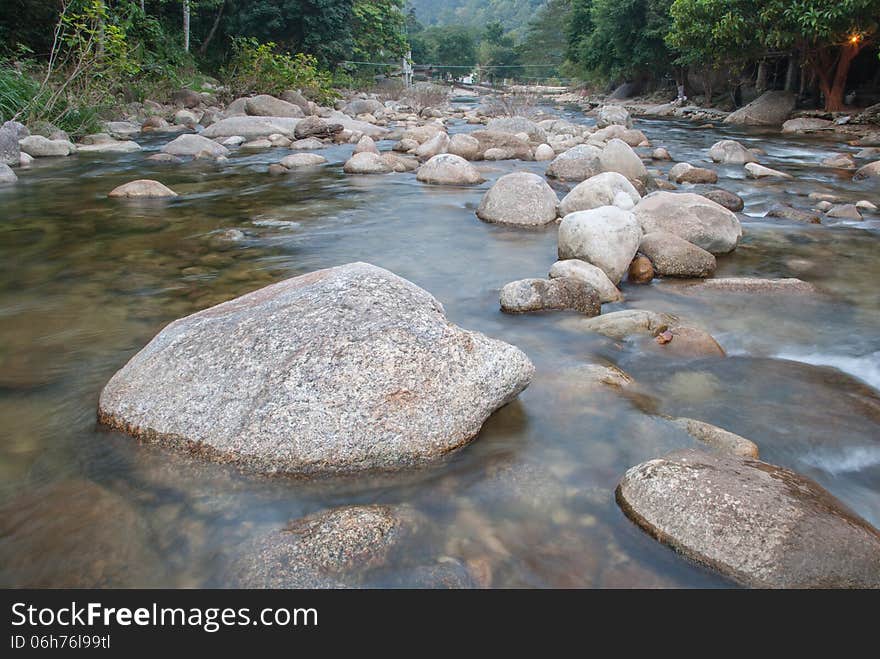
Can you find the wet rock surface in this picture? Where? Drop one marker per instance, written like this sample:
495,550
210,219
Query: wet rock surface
755,523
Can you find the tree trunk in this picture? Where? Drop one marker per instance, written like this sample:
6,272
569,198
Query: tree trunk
791,74
832,70
761,82
186,25
204,47
143,9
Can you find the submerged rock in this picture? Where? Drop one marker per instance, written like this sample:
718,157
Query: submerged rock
755,523
142,188
112,146
788,285
787,212
564,293
340,370
607,237
330,549
692,217
622,324
75,534
520,198
718,438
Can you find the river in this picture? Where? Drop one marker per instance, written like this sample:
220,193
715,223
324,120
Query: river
86,281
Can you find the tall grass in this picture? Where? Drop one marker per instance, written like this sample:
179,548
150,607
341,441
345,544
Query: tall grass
22,99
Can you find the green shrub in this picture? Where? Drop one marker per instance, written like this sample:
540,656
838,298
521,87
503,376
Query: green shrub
256,67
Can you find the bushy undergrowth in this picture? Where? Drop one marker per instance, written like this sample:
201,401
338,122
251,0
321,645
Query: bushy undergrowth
256,67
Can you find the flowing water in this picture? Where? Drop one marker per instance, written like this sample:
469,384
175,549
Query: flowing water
86,281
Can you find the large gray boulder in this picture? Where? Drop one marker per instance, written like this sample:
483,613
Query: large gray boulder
560,294
606,189
755,523
341,370
692,217
195,145
252,127
576,164
731,152
608,237
769,109
515,125
10,151
509,146
618,156
38,146
611,115
519,198
448,169
269,106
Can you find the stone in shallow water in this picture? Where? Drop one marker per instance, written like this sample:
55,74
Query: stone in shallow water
563,293
330,549
672,256
520,198
755,523
340,370
74,534
144,189
786,285
690,216
718,438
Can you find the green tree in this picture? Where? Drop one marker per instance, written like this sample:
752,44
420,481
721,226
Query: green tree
831,33
543,43
626,39
379,29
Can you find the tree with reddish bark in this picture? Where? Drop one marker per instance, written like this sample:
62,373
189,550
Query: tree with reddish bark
830,33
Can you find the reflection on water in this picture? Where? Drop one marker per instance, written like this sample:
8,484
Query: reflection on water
86,281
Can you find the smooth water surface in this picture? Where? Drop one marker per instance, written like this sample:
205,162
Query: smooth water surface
86,281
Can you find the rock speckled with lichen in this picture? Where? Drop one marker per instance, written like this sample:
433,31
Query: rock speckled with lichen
755,523
341,370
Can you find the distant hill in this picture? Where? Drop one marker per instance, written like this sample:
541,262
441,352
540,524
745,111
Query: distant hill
513,14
